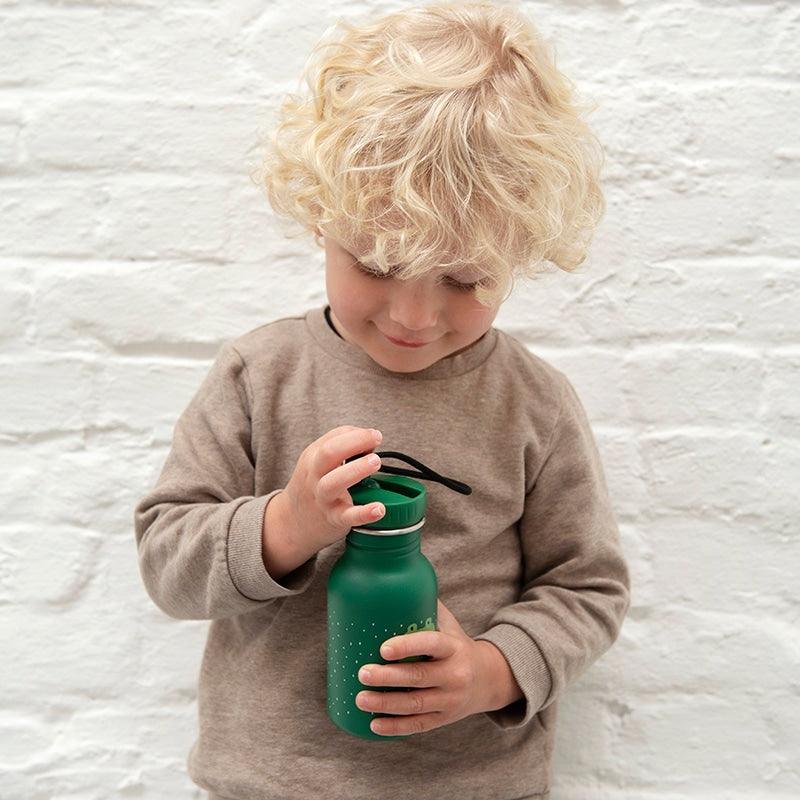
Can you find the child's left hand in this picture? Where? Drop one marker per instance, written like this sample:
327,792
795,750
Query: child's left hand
456,681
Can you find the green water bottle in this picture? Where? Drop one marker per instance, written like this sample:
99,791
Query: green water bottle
382,586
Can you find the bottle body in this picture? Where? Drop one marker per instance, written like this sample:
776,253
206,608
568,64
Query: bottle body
382,586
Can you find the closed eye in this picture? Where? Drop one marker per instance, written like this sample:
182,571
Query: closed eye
463,287
466,287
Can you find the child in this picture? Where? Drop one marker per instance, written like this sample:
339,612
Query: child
440,154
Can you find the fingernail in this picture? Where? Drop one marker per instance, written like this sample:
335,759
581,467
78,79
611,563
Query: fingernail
378,435
363,675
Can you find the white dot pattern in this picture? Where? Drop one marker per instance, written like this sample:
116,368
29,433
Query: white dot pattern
347,655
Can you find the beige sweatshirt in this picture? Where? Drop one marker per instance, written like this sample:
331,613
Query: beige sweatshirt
530,561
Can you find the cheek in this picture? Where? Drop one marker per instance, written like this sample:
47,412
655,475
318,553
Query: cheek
346,285
357,300
476,315
365,292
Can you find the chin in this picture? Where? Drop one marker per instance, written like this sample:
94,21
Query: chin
399,363
410,369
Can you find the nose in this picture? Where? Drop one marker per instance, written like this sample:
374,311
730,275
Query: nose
414,306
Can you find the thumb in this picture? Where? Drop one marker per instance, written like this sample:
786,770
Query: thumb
447,623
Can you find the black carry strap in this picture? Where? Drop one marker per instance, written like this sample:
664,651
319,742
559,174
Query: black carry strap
425,472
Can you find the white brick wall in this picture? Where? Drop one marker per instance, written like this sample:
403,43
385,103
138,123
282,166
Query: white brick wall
132,243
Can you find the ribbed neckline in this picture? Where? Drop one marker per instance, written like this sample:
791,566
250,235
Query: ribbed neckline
333,344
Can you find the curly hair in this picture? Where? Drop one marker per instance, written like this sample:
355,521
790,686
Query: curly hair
440,131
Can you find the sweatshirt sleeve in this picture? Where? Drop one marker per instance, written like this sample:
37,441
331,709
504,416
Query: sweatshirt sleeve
199,530
576,584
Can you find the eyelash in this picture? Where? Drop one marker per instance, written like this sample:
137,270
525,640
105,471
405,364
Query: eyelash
464,287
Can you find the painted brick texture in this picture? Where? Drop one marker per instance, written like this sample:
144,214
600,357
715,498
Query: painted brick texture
133,243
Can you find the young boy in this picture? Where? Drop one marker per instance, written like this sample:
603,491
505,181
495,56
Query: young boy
438,155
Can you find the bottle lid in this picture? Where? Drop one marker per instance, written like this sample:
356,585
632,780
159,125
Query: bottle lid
404,498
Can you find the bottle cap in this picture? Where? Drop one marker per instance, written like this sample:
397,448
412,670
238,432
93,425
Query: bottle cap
405,499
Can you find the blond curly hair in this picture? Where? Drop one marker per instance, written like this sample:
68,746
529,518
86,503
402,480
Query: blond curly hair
443,131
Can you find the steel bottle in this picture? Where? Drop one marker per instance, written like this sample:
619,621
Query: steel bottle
382,586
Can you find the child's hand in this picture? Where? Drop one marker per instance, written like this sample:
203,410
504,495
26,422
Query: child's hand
321,507
457,681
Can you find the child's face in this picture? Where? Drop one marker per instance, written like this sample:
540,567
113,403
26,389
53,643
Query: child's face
367,309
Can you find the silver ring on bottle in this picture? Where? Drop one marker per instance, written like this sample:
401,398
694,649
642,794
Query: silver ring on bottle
391,531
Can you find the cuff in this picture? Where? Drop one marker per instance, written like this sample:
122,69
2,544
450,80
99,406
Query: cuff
246,560
530,670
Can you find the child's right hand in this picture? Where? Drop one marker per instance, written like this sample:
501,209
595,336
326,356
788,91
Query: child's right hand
321,507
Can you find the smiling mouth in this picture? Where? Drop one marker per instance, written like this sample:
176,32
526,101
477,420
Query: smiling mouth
401,343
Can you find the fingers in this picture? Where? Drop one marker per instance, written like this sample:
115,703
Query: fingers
328,475
337,481
416,674
424,643
335,476
426,702
362,515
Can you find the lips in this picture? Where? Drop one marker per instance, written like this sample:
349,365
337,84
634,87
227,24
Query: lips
403,343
